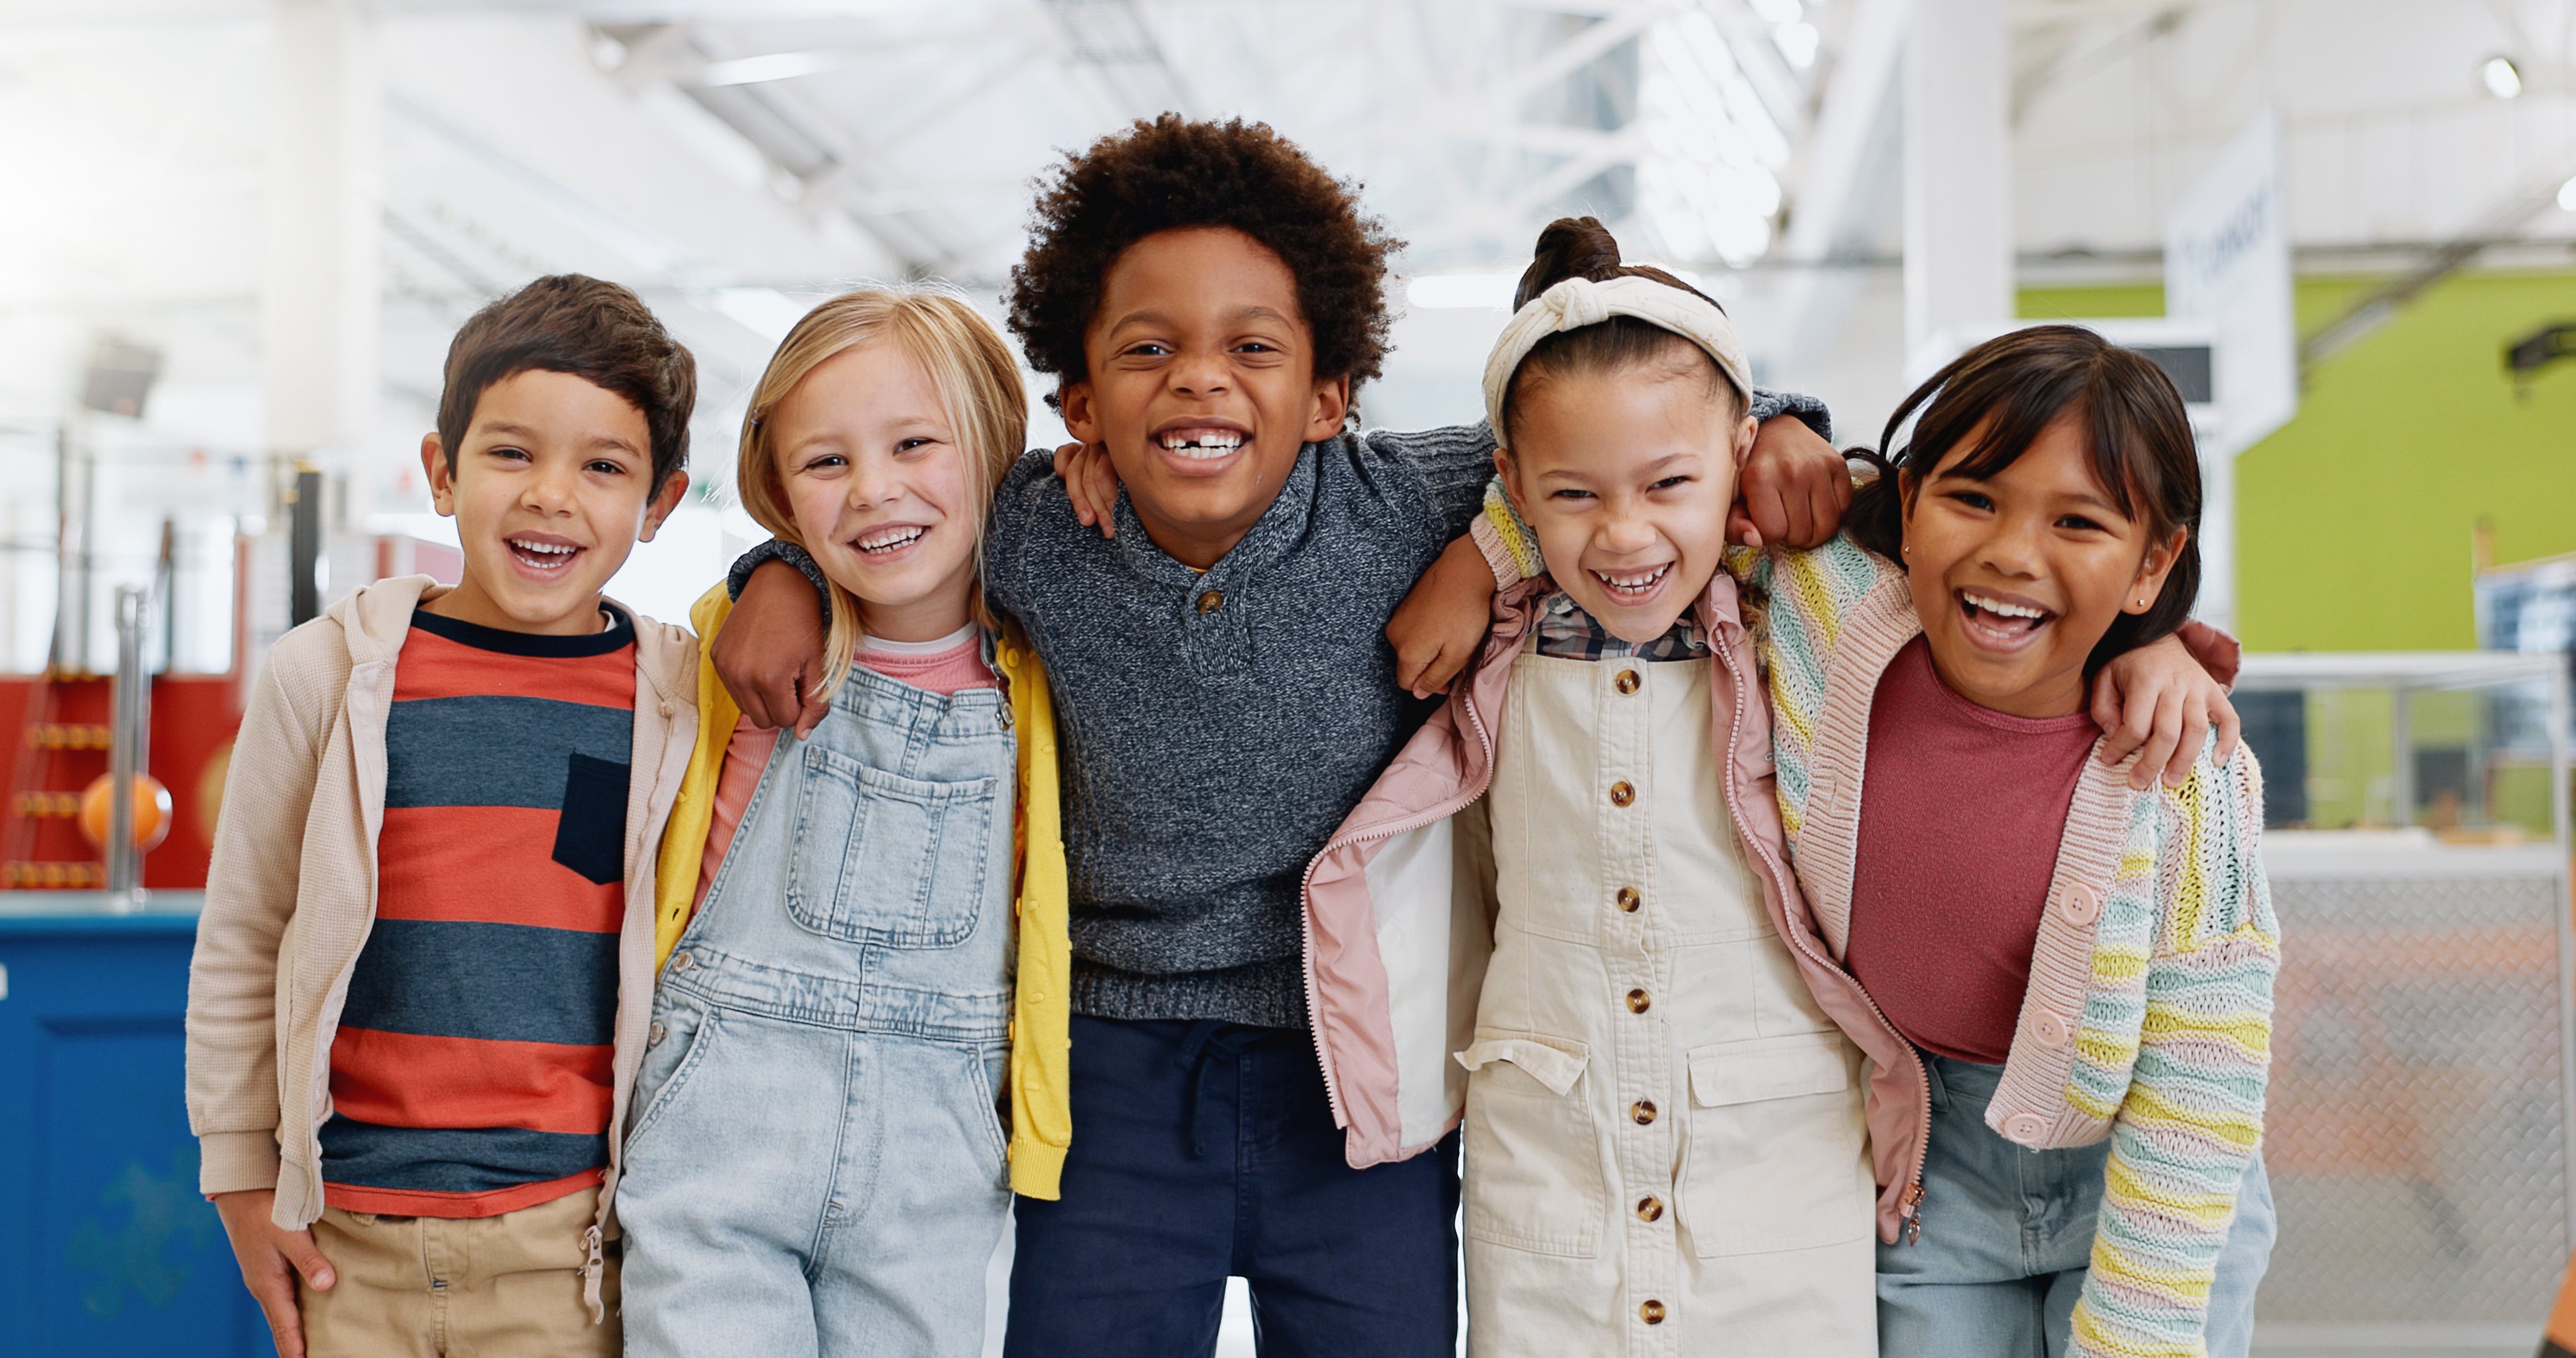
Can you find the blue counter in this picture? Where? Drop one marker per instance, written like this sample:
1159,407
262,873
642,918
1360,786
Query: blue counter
106,1247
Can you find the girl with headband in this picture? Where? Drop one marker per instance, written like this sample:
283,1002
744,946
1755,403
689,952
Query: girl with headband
2062,978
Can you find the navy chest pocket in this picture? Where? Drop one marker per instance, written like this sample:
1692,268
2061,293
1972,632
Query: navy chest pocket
879,858
590,836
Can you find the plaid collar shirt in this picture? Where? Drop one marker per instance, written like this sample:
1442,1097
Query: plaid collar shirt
1566,631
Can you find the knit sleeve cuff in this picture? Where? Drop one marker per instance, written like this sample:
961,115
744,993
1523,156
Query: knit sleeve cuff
781,551
1037,1169
230,1162
1505,541
1769,405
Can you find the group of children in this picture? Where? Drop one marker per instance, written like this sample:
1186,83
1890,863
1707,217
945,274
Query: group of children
1087,826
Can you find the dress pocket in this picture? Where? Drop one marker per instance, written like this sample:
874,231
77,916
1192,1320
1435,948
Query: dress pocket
1779,1146
884,859
1533,1178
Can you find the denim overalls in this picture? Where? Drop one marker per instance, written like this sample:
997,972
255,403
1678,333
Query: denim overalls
815,1165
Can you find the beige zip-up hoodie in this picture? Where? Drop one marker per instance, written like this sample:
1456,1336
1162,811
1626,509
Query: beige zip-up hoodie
291,893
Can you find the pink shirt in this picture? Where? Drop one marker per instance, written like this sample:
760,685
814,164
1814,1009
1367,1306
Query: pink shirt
946,667
1961,813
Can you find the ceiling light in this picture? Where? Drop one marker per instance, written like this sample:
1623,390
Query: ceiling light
1797,43
2502,80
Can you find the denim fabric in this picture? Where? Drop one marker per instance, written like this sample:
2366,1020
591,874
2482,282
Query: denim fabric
815,1166
1132,1262
2008,1240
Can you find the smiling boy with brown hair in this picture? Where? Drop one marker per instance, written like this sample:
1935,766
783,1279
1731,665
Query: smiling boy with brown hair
424,970
1208,299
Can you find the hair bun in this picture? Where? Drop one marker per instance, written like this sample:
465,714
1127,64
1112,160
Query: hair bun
1570,247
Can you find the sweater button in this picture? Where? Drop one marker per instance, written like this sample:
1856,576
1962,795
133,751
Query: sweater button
1643,1110
1639,1002
1627,681
2082,905
1211,602
1651,1312
2049,1029
2024,1129
1649,1209
1621,794
1629,900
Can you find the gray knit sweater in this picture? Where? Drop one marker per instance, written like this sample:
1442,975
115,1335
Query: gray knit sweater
1211,749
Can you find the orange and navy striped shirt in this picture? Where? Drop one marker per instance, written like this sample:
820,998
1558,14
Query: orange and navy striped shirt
474,1064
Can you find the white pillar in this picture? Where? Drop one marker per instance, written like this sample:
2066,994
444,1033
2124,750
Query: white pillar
1958,179
320,298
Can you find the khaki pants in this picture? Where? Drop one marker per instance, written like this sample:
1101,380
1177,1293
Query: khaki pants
433,1287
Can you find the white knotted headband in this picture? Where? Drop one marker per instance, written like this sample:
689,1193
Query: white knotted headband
1577,302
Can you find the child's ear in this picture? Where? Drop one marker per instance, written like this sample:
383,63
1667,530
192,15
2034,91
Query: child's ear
661,505
1747,430
1332,406
1073,401
1508,469
2157,564
442,483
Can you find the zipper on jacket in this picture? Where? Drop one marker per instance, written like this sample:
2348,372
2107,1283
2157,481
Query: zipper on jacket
1909,1204
1461,696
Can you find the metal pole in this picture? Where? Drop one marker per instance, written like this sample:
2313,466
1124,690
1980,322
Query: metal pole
304,547
126,753
2401,764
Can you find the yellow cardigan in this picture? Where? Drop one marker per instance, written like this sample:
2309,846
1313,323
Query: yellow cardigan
1041,1108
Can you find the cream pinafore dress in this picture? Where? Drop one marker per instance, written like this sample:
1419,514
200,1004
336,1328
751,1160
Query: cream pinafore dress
1665,1147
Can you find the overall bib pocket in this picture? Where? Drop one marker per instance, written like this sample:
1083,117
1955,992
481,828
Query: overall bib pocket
1533,1176
1778,1156
884,859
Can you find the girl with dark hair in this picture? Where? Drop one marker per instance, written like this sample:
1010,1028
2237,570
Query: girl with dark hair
2066,980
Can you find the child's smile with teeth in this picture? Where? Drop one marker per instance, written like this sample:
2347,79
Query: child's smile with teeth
1202,444
1633,583
2003,615
891,538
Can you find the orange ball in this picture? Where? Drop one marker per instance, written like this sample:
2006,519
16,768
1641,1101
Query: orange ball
151,811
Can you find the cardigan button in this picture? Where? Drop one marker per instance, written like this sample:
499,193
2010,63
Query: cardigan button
2024,1129
1621,793
2049,1029
2082,905
1627,681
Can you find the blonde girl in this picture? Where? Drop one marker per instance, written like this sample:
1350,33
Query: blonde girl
819,1163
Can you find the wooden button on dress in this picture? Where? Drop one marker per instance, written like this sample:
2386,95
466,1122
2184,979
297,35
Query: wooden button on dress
1643,1110
1638,1002
1627,681
1651,1312
1649,1208
1621,794
1629,900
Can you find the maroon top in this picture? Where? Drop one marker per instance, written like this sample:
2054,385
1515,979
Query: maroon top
1960,815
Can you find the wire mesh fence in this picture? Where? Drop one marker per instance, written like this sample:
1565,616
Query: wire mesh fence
2418,1129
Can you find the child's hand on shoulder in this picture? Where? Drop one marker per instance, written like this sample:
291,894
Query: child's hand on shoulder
2158,700
769,653
1091,483
1442,623
1793,490
272,1258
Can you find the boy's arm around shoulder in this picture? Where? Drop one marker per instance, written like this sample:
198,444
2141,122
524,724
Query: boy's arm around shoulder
2197,1089
251,889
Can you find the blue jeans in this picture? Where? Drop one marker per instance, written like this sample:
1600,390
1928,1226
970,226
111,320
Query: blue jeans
815,1165
1203,1151
2008,1240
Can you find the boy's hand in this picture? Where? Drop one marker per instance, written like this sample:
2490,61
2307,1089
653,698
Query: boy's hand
1091,483
271,1258
1793,490
769,653
1441,624
2157,698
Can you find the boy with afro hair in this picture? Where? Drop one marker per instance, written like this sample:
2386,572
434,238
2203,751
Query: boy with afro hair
1208,299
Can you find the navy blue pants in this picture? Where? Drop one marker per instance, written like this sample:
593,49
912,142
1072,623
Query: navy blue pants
1203,1151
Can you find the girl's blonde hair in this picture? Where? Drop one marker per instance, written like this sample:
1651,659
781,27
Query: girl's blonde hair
978,382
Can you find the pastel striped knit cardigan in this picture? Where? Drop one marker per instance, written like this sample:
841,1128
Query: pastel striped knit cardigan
2148,1018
